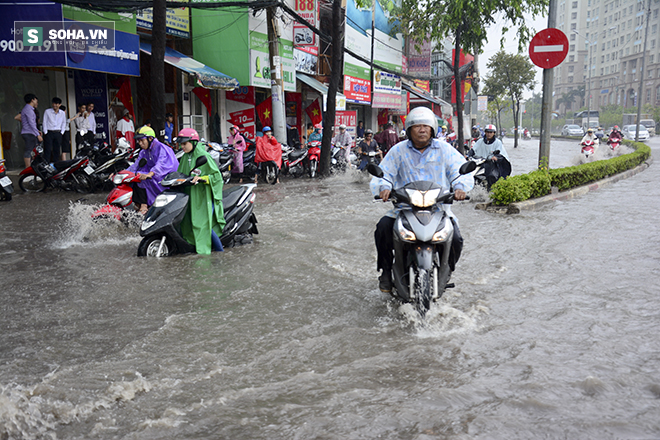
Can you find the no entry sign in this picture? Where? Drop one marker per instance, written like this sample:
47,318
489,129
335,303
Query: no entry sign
548,48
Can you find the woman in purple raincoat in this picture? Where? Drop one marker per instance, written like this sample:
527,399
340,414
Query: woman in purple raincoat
160,162
238,142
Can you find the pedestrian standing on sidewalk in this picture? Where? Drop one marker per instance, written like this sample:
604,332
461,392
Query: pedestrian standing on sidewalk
30,132
53,128
66,138
91,118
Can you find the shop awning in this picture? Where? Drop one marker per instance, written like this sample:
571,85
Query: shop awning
340,99
204,75
423,94
313,83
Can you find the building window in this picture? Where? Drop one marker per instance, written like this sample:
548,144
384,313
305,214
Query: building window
572,37
573,26
575,5
571,58
657,93
571,48
571,68
573,15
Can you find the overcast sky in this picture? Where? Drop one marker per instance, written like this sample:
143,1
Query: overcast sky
511,46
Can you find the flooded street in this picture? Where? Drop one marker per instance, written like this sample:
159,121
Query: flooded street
551,331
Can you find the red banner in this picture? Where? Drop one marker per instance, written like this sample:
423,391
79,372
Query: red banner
243,94
243,117
349,119
357,89
314,112
125,96
204,95
248,132
265,112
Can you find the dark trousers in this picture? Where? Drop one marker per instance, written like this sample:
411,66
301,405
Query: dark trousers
384,237
139,194
52,146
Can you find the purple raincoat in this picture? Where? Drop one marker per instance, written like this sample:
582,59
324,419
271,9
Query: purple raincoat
162,161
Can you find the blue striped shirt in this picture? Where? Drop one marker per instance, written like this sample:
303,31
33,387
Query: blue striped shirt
439,163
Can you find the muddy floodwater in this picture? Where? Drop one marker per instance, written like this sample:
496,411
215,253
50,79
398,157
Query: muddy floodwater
551,331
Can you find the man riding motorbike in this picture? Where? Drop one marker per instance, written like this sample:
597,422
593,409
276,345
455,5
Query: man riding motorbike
498,165
616,133
366,146
590,136
204,220
344,140
421,157
160,161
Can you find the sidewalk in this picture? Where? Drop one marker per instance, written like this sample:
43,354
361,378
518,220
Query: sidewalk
532,204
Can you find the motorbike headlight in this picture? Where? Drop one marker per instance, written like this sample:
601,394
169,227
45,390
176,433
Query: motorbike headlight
444,233
423,199
164,199
118,179
404,233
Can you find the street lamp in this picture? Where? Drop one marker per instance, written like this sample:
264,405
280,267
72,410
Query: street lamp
589,80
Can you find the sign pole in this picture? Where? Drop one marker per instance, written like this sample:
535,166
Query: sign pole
546,102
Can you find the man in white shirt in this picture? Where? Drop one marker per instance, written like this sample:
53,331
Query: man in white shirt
125,128
53,128
91,118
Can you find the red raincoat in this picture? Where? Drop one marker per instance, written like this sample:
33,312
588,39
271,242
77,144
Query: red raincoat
268,149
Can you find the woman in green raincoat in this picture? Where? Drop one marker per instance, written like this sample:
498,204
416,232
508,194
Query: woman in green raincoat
204,220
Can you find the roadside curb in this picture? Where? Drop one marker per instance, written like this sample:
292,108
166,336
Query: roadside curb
532,204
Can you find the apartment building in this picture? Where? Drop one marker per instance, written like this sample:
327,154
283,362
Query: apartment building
606,49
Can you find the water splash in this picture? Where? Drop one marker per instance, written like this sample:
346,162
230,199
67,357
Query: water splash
80,229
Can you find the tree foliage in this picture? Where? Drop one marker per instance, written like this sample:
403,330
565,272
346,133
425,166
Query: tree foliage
511,75
466,22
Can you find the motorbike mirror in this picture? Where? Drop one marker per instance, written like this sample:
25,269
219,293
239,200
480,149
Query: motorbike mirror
201,160
468,167
142,162
375,170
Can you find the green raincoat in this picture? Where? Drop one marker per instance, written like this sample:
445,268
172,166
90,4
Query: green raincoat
200,217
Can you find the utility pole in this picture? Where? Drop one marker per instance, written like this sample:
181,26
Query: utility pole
641,74
158,66
333,87
546,102
277,85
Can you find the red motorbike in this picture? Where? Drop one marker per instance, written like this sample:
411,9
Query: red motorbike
313,156
119,198
614,141
588,148
65,174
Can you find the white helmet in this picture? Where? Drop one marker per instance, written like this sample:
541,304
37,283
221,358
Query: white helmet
490,127
122,146
422,116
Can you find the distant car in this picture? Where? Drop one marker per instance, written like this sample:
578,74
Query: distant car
572,130
629,132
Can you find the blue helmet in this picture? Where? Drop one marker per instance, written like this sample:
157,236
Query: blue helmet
265,129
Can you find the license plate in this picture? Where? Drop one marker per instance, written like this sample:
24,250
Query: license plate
5,181
89,169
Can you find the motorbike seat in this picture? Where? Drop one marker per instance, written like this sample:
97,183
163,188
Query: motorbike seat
296,154
64,164
231,197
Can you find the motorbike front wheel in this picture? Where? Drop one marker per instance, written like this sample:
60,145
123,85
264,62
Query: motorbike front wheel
271,175
31,183
422,291
149,247
83,183
313,164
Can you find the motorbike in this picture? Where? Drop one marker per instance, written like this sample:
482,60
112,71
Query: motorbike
527,134
294,164
161,225
121,197
249,166
489,171
313,157
6,185
588,148
65,174
338,157
423,234
223,156
614,142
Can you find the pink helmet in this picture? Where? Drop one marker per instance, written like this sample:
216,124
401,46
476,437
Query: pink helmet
187,134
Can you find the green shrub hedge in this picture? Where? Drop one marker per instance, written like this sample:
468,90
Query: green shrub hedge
539,183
